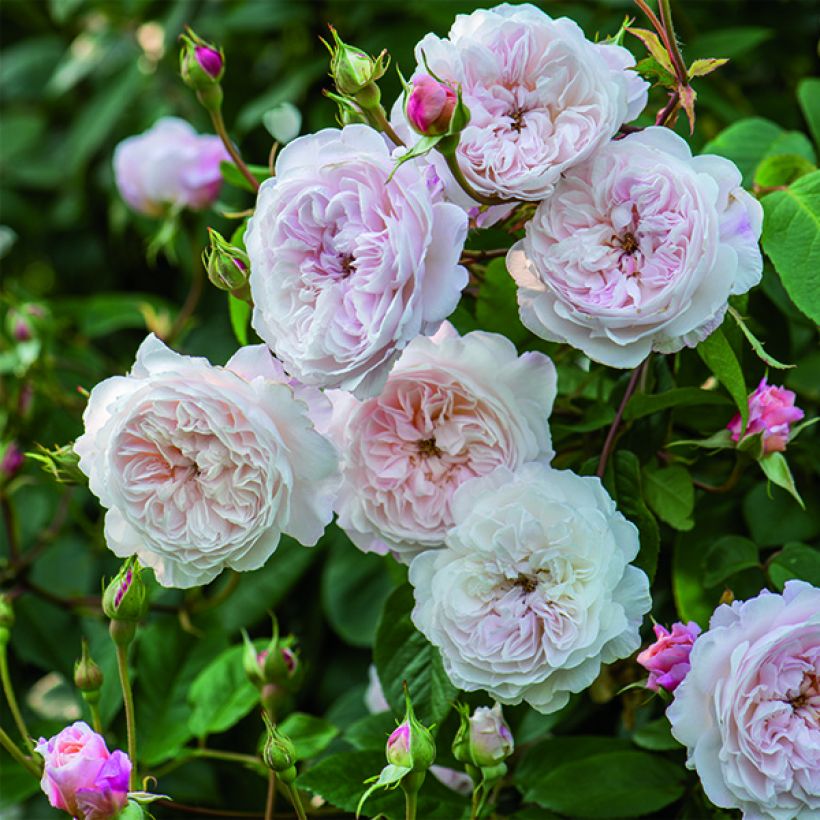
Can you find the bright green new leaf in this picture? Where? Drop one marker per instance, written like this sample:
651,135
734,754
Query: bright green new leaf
776,468
782,169
757,346
719,357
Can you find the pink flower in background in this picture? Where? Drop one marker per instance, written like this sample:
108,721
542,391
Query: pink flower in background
169,166
81,776
346,267
771,411
203,467
542,97
453,408
430,105
667,660
639,249
748,711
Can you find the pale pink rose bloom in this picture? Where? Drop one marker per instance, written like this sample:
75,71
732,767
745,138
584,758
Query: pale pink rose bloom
667,660
169,166
534,589
491,740
346,267
541,97
81,776
771,412
638,250
748,711
203,467
453,408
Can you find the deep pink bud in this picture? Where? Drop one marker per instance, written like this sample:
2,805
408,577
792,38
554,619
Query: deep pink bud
430,106
12,461
210,60
667,660
771,411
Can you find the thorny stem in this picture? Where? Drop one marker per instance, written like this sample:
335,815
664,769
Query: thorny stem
379,121
468,256
672,43
128,701
609,443
12,700
219,127
26,762
667,113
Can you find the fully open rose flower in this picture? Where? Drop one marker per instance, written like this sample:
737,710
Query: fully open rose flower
204,467
541,97
81,776
453,408
168,166
771,412
749,709
667,660
346,267
534,590
638,250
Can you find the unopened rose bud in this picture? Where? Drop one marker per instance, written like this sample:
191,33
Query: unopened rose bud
228,266
11,461
398,747
279,753
667,660
355,73
491,741
275,671
202,65
411,745
88,677
430,105
210,61
125,599
771,412
6,619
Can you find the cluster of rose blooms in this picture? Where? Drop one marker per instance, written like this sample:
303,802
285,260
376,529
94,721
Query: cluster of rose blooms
435,447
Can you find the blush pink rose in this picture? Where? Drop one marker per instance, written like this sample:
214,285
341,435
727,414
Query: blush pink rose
81,776
667,660
346,267
771,412
541,97
169,166
202,467
430,105
453,408
639,249
748,711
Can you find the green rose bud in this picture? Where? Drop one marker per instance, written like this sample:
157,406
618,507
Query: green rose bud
411,745
125,599
279,753
228,266
88,677
355,73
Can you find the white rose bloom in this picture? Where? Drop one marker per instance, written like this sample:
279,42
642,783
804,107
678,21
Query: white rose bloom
638,249
202,467
534,590
454,407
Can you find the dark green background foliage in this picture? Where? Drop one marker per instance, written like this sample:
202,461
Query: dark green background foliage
76,77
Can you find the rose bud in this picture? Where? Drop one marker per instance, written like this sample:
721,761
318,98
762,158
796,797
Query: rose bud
125,601
11,461
411,746
275,671
202,65
227,265
88,677
354,72
430,105
771,411
667,660
80,775
491,740
279,753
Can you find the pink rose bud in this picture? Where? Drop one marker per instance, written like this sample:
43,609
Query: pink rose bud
81,776
210,60
430,106
667,660
12,460
398,747
771,411
491,740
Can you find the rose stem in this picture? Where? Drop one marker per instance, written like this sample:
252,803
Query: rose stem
458,175
219,127
379,121
96,721
12,700
613,430
270,802
293,793
193,297
128,701
26,762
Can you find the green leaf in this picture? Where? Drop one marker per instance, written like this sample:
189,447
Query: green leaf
791,238
776,468
671,494
233,176
808,94
355,586
497,304
654,46
18,785
775,518
105,313
554,751
221,695
756,344
656,736
310,735
402,653
726,556
795,560
719,357
748,142
645,404
721,440
702,67
625,478
782,169
370,733
240,314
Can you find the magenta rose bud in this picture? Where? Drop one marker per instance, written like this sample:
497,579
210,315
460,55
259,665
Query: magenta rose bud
81,776
210,60
398,747
771,411
430,106
667,660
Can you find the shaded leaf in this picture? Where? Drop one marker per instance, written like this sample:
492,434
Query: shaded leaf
719,357
726,556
